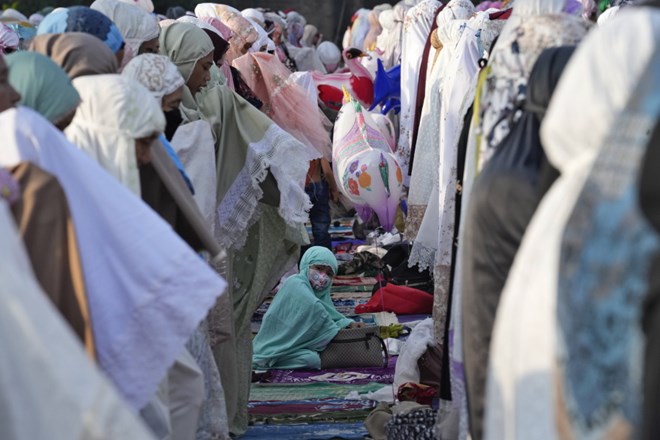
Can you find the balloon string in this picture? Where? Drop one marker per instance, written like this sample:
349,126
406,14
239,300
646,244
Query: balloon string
382,297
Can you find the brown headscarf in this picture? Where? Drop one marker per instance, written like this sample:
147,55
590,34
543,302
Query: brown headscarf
45,224
77,53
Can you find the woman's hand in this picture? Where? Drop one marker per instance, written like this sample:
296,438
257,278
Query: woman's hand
356,324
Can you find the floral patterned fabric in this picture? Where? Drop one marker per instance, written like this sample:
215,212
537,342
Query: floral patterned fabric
511,63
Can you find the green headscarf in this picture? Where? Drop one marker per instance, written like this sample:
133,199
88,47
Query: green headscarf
253,155
185,44
43,85
318,256
300,322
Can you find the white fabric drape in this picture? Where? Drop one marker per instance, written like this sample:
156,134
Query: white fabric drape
48,386
416,30
521,390
438,134
147,289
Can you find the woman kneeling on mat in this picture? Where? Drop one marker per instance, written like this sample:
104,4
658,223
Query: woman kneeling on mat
302,320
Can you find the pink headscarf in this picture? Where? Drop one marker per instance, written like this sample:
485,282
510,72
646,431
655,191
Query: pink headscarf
8,39
225,32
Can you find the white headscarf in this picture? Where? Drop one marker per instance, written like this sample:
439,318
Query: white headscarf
41,353
135,25
359,29
522,379
254,14
115,110
36,19
524,8
145,5
608,14
262,40
147,289
156,72
14,14
389,41
330,55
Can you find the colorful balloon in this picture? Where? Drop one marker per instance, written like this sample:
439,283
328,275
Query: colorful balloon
366,172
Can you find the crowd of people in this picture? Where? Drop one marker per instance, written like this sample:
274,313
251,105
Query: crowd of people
157,172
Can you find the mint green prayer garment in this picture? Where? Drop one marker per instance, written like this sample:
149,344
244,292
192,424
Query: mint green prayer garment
300,322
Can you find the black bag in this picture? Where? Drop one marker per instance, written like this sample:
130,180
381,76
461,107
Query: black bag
402,275
356,347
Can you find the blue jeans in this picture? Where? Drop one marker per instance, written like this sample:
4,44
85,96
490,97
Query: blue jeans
319,215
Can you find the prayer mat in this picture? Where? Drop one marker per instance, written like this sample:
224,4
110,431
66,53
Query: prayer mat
342,376
263,392
348,289
350,295
324,431
353,281
310,411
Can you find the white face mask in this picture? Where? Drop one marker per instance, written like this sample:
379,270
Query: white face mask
319,280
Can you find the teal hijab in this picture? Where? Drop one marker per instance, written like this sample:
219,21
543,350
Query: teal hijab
43,85
300,322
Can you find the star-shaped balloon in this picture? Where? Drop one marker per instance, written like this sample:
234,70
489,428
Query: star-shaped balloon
387,88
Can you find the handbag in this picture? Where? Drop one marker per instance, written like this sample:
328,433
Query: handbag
402,275
354,348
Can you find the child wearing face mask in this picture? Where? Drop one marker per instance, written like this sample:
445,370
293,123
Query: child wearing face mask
302,320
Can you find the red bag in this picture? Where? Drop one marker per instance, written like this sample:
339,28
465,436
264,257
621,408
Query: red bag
401,300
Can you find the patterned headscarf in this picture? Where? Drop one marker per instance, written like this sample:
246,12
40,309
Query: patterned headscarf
9,40
523,39
156,72
83,19
245,35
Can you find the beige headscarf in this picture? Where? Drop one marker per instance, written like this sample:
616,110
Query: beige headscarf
77,53
184,45
115,110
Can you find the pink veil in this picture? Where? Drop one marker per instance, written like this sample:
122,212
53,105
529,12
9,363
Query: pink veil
285,102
